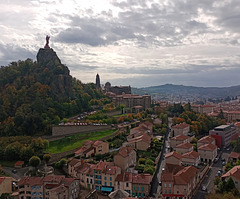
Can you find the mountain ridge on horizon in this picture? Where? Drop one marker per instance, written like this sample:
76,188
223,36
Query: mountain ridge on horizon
203,92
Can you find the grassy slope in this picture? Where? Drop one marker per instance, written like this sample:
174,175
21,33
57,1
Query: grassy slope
72,142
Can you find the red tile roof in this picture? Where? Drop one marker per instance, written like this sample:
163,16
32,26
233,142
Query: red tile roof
207,139
167,177
87,142
172,168
125,151
180,137
98,142
181,126
19,163
184,145
207,147
68,181
186,175
82,149
234,172
191,155
141,178
54,178
125,177
112,170
31,181
74,161
174,154
234,155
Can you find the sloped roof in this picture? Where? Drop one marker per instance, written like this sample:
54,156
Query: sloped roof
181,126
185,175
234,172
180,137
74,161
184,145
207,139
54,178
167,177
207,147
125,177
173,154
191,155
125,151
141,178
234,155
31,181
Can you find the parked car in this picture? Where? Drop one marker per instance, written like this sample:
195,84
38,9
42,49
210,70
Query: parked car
14,171
223,163
204,188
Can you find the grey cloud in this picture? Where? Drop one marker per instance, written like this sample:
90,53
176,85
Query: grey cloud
10,52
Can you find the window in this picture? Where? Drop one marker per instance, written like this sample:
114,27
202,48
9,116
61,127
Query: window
137,188
126,184
105,183
165,185
142,188
165,191
105,178
170,191
170,185
110,178
110,183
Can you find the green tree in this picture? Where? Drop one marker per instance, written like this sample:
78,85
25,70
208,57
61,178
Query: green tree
34,161
47,158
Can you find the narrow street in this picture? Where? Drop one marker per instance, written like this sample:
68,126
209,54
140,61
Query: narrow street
155,187
208,180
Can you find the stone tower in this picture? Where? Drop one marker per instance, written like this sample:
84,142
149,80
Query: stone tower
98,82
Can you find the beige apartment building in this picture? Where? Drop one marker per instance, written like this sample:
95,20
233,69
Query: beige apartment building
179,139
208,152
231,116
206,140
5,185
141,142
125,158
141,185
203,108
184,148
191,158
124,182
180,183
173,158
30,186
180,129
92,148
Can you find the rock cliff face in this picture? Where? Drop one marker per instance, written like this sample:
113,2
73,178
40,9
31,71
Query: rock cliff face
60,79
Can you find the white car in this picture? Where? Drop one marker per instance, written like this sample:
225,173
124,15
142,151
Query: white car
204,188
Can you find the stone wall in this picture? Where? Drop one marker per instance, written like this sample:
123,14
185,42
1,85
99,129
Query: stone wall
62,130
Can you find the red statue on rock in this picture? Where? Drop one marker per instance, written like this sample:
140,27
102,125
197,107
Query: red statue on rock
47,42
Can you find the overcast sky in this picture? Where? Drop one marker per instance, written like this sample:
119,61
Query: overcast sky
135,42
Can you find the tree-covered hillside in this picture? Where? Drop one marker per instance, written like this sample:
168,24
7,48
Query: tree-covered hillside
35,95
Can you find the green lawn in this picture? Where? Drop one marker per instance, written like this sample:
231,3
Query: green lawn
72,142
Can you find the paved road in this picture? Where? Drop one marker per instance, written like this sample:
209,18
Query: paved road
155,188
208,180
18,175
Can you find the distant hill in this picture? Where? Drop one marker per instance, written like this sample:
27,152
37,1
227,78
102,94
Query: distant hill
37,94
203,92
